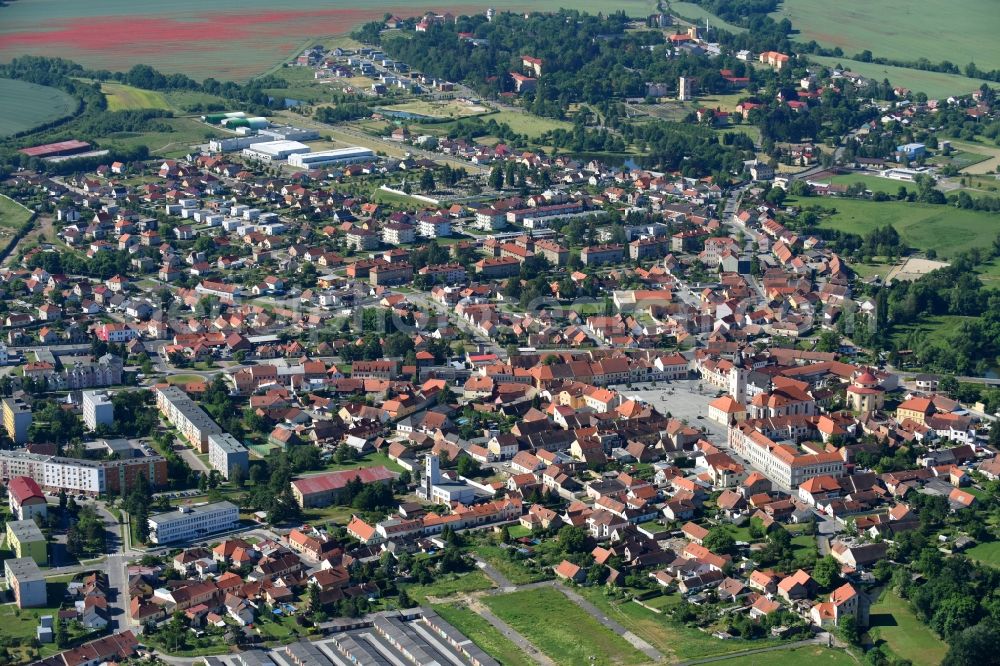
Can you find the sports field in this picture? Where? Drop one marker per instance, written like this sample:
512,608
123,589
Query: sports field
575,639
922,226
933,84
25,105
893,622
959,32
226,39
122,97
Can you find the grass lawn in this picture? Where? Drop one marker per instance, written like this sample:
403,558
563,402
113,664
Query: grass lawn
370,460
577,638
483,634
473,581
25,105
518,573
657,630
869,269
12,214
856,25
873,183
177,143
938,328
892,621
528,124
804,544
122,97
922,226
183,379
813,655
986,553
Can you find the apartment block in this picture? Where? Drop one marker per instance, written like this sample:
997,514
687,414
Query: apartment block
226,453
26,540
190,419
97,409
16,419
25,580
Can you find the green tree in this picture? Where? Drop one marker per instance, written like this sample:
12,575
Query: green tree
719,540
572,539
826,572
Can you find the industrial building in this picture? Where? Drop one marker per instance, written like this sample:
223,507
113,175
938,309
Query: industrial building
331,157
323,489
273,151
190,419
191,523
225,453
25,580
97,409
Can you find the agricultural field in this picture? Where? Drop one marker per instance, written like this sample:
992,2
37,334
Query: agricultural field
892,621
122,98
900,29
576,640
934,84
225,39
483,634
921,226
26,105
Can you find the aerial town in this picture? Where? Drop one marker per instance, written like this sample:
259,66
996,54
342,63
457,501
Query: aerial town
659,374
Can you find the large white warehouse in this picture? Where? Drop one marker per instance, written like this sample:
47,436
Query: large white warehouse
330,157
268,151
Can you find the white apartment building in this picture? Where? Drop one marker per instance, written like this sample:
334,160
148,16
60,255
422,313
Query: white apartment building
181,411
189,523
97,409
225,453
783,464
435,227
397,233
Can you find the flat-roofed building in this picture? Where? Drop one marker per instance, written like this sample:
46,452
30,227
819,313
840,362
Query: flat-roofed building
190,523
16,419
26,540
97,409
190,419
25,580
325,158
225,453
